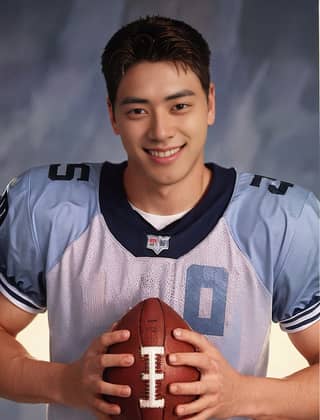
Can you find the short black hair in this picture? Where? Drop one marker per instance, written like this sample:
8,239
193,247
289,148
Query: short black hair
155,38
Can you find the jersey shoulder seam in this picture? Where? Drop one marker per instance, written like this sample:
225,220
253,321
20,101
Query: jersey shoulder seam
279,271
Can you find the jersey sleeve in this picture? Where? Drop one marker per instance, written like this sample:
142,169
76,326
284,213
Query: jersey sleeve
22,278
296,303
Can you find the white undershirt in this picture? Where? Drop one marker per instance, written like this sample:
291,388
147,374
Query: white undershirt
157,220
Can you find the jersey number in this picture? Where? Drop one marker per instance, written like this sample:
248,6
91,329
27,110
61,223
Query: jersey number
205,299
69,173
281,190
4,206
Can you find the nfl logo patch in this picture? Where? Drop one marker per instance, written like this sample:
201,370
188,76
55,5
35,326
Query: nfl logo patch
158,243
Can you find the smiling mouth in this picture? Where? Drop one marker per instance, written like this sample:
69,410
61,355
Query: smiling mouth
164,153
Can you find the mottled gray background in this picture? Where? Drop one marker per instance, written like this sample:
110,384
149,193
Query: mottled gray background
52,98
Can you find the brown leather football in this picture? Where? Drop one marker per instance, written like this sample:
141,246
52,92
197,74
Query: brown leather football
151,323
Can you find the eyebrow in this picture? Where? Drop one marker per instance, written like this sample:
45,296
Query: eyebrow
135,100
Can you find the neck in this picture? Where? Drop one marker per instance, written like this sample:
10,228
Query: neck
159,199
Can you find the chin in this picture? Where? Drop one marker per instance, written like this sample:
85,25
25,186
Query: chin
167,179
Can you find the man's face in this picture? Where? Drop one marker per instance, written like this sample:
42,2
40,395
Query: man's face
162,114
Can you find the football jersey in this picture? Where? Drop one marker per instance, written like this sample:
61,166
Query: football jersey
246,254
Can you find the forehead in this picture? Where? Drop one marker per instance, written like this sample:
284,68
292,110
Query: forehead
156,81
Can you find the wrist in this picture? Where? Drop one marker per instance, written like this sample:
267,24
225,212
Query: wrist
253,399
60,387
37,381
70,389
67,382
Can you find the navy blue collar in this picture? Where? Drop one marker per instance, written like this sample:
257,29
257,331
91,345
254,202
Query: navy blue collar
135,233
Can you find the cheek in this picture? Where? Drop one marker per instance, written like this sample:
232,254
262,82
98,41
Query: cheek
195,128
133,129
132,136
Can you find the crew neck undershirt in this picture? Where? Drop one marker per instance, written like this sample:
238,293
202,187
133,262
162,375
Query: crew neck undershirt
159,221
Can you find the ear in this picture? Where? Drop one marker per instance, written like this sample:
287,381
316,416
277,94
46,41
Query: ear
112,117
211,104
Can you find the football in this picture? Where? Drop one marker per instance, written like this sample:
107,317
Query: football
151,323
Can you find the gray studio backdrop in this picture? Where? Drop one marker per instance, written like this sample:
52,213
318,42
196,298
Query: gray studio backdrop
52,97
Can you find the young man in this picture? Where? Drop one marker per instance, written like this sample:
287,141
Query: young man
227,251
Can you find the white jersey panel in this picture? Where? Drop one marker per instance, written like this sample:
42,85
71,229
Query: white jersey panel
91,287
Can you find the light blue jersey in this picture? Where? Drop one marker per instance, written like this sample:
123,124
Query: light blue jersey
248,253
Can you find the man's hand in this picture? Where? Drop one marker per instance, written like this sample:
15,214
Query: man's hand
219,384
223,392
83,385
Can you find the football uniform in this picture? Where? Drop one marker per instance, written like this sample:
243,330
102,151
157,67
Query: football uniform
246,254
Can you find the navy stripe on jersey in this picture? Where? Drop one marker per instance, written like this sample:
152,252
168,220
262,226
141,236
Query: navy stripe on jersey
3,206
303,323
131,229
305,317
302,313
17,296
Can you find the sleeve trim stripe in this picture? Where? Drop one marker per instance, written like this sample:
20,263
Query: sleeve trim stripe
301,315
302,325
19,304
304,319
17,296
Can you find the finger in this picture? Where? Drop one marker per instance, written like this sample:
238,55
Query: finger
102,407
106,388
116,336
113,326
197,406
188,388
96,364
109,360
198,341
100,416
107,339
201,361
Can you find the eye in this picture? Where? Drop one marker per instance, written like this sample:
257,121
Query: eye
136,112
181,107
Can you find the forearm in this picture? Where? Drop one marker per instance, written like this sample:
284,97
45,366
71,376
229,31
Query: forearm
25,379
295,397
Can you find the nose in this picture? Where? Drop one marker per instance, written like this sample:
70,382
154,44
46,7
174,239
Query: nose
161,127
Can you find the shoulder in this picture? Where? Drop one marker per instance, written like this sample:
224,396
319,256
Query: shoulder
259,199
64,178
264,217
276,226
268,195
43,186
54,202
42,212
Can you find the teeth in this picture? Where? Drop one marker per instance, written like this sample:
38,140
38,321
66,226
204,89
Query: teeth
167,153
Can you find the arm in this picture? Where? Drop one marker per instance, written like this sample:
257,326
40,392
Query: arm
79,384
225,393
297,395
13,355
